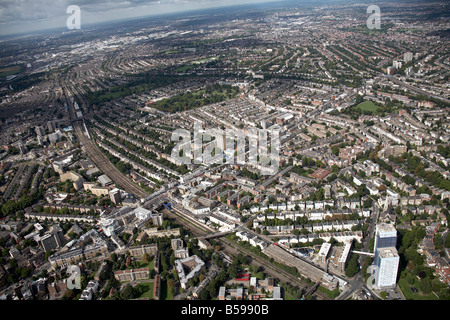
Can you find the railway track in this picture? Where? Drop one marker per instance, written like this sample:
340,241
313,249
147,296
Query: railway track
271,269
106,166
196,227
96,155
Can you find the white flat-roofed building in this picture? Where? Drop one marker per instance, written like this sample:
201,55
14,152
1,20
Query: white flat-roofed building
323,252
316,216
225,224
142,213
344,256
110,226
194,265
277,293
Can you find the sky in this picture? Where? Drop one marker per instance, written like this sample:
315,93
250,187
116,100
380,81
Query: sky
21,16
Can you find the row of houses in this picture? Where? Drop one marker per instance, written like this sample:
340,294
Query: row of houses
315,227
60,217
154,232
71,207
344,236
132,274
395,200
310,205
313,215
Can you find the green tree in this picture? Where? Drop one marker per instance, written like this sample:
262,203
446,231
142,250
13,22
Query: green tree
128,292
447,242
232,272
352,268
69,294
25,273
425,285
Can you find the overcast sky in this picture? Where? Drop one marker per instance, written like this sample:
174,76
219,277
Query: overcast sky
18,16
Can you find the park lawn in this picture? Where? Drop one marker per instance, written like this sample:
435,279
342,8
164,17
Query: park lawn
142,264
409,295
368,106
184,68
148,286
10,70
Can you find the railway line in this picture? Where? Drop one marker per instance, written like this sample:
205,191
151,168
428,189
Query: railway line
190,223
269,268
105,165
98,157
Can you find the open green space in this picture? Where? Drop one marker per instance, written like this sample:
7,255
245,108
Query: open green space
184,68
10,70
368,106
288,296
410,295
145,83
146,289
190,100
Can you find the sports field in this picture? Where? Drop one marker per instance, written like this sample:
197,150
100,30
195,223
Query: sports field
10,70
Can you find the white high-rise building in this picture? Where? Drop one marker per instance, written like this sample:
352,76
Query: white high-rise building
387,267
51,126
39,131
385,236
407,57
115,196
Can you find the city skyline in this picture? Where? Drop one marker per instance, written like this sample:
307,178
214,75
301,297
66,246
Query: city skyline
257,152
17,17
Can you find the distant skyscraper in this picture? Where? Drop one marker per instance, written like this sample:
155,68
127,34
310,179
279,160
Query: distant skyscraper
51,126
21,147
264,124
397,64
40,140
54,137
407,57
387,263
40,131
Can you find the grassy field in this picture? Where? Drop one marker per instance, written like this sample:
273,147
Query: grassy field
331,294
10,70
148,287
184,68
367,106
409,295
288,296
142,264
